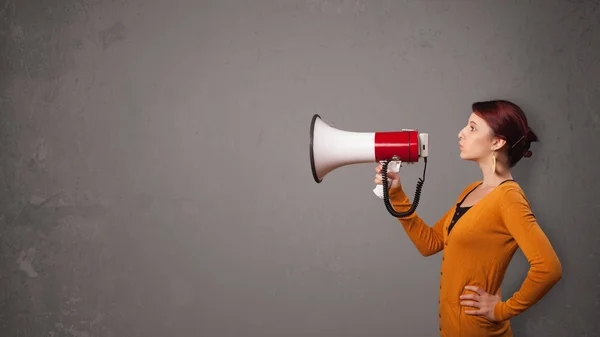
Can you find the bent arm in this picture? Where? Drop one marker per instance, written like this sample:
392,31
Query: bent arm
428,240
545,268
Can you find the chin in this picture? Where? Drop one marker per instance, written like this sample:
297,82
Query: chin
466,157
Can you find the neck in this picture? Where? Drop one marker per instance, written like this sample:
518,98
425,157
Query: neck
493,179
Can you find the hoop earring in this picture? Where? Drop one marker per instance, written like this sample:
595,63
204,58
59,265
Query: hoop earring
494,162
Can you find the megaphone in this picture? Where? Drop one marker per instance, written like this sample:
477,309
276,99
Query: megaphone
331,148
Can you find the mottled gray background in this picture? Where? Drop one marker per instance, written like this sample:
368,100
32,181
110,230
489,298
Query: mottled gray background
155,177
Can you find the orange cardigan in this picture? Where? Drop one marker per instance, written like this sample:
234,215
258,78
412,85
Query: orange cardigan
477,252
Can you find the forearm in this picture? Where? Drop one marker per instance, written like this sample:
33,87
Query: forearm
540,279
428,240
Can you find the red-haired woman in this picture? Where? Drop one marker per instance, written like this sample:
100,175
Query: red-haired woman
480,233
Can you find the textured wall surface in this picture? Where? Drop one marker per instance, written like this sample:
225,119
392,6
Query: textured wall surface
155,177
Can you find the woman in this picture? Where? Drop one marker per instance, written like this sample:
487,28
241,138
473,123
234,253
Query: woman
481,232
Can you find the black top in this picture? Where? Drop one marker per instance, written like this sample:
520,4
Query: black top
460,210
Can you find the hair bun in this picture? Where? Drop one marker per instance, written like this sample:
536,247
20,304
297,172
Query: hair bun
527,154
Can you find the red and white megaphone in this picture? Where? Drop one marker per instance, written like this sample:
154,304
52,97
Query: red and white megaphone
331,148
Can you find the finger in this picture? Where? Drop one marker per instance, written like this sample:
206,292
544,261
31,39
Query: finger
469,297
471,304
475,312
475,289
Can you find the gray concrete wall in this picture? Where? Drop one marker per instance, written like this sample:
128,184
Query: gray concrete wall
155,178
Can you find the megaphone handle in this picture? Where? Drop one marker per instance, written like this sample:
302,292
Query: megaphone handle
393,166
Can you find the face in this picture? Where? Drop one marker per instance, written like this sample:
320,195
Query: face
475,140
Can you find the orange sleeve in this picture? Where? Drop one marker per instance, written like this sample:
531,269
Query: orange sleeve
545,268
428,240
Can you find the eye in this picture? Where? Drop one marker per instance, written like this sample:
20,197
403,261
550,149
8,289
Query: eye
472,128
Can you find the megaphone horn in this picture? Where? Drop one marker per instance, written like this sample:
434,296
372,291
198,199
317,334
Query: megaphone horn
331,148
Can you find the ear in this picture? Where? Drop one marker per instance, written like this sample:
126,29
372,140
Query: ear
498,143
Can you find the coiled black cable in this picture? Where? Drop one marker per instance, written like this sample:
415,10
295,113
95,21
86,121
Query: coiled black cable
416,199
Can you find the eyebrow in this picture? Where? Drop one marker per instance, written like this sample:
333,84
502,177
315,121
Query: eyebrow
473,122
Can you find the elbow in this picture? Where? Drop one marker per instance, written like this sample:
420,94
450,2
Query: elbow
426,253
429,251
554,271
557,272
435,246
547,273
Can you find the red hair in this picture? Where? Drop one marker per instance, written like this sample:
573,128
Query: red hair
508,121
